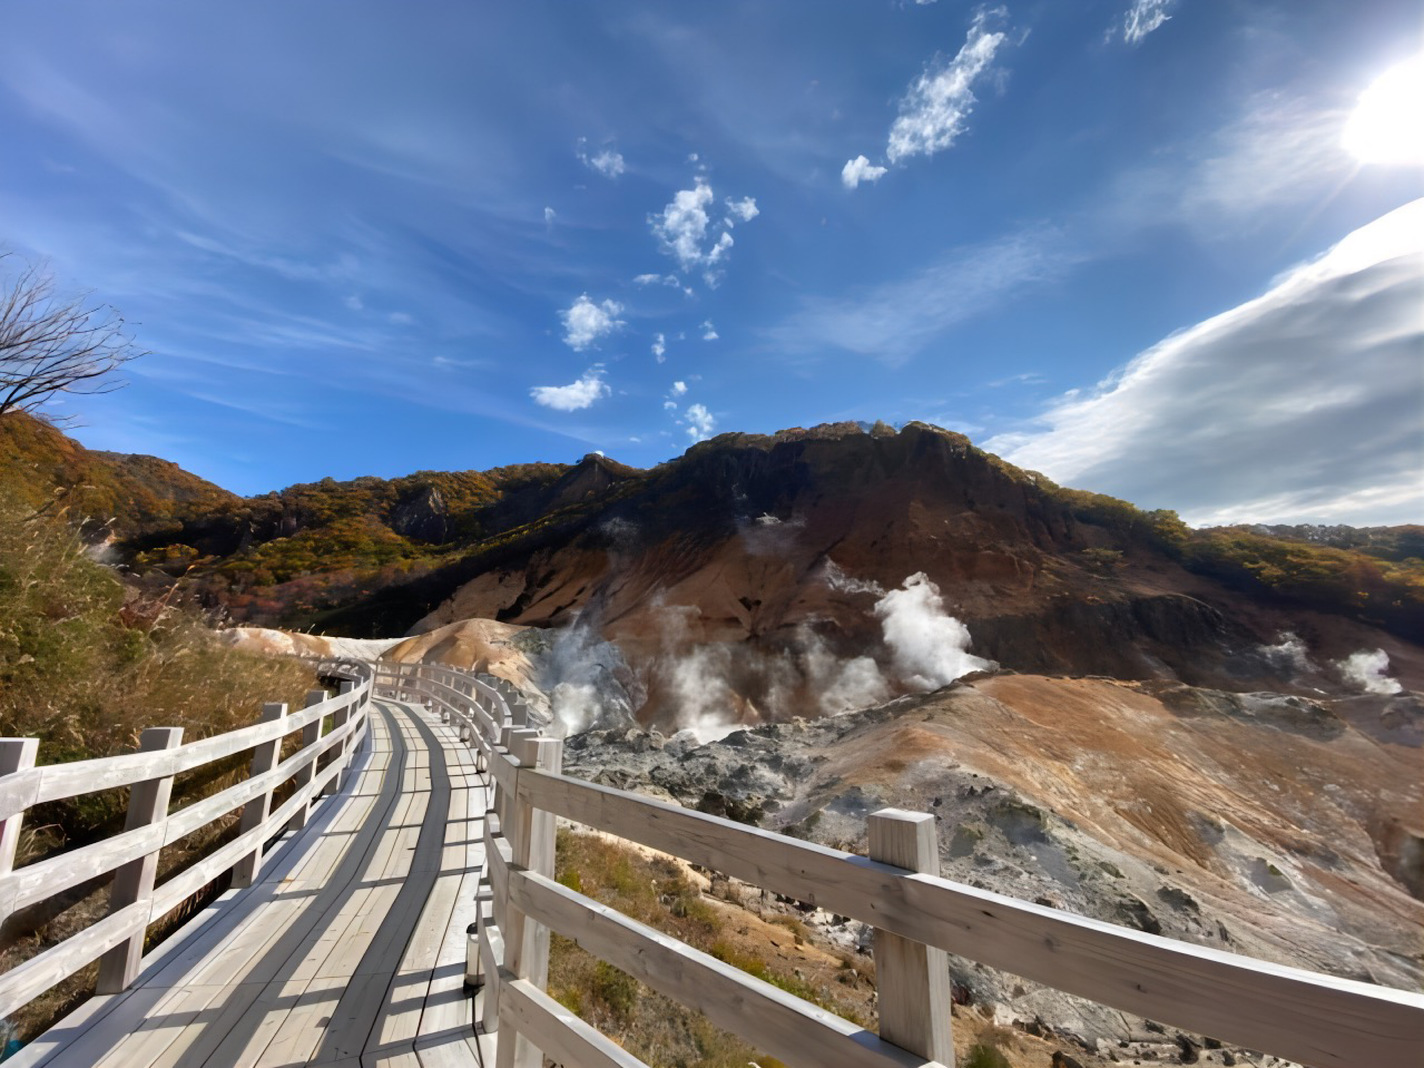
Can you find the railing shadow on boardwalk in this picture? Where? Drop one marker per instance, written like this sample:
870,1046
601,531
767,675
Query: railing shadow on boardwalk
918,917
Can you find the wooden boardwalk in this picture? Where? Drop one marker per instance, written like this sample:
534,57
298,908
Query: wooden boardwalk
350,951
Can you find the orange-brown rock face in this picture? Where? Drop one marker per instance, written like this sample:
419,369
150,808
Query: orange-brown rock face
757,546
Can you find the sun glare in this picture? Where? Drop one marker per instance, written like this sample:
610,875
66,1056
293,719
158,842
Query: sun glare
1387,125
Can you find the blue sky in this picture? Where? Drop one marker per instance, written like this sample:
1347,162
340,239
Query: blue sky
1120,242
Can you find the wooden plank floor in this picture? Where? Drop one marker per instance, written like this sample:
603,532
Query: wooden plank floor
349,952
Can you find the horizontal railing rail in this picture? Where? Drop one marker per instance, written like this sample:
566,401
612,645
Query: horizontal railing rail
1314,1019
132,855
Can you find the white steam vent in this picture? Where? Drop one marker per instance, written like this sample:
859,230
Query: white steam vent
1366,669
930,648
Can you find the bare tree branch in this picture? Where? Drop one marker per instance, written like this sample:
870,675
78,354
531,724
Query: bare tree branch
51,344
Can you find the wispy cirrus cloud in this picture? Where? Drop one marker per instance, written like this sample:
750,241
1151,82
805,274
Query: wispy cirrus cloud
1142,18
1299,406
935,109
895,320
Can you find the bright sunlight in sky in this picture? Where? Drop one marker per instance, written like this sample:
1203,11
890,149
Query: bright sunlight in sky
1166,250
1387,125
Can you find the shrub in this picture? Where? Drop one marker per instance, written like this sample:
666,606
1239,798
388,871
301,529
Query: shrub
985,1056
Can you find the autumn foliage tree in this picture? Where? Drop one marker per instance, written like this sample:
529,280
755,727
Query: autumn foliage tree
50,343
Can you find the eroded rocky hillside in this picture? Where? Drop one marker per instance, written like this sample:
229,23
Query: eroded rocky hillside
1260,823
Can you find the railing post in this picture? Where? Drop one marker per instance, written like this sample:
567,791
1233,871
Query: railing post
513,739
531,838
133,882
16,755
912,979
339,719
311,734
256,811
518,710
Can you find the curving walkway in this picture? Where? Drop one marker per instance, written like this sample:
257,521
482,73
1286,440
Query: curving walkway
351,949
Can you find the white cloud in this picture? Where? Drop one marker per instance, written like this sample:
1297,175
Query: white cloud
1281,151
684,226
1299,406
936,107
669,405
660,347
709,332
745,209
860,170
576,395
1143,17
585,322
895,320
354,302
608,162
679,388
549,214
700,423
400,318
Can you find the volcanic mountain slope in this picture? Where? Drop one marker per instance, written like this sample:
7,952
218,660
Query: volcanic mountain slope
770,554
765,556
1274,826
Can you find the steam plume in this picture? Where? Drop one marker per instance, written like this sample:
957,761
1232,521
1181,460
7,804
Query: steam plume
929,646
1366,669
1289,654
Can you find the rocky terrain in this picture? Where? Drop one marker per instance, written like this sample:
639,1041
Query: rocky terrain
1272,825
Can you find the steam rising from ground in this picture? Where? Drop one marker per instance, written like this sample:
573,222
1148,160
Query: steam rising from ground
1289,655
695,679
839,581
840,685
1366,669
711,688
586,679
930,647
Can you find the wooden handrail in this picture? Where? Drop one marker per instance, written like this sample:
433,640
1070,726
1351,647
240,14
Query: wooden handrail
135,850
1304,1016
55,782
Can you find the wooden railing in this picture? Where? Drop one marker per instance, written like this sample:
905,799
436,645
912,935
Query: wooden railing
1314,1019
136,899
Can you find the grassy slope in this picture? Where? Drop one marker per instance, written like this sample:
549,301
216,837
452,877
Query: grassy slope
86,666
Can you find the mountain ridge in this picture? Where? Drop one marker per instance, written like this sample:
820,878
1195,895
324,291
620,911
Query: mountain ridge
743,534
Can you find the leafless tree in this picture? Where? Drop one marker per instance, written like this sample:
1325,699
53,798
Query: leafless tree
55,344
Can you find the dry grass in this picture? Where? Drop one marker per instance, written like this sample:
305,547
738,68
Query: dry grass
657,891
86,665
